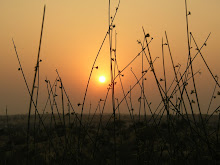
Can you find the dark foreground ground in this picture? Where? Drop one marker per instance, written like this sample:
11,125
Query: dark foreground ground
102,140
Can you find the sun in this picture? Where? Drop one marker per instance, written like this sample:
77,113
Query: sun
102,79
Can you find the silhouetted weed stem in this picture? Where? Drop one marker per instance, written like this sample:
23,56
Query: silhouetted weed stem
122,88
20,67
176,77
90,122
134,85
48,98
215,111
189,66
51,104
165,80
110,24
131,61
129,92
33,86
113,18
132,109
187,116
216,80
64,123
100,121
212,97
145,98
54,100
39,116
112,80
190,103
80,122
178,112
143,91
165,85
37,86
194,85
154,121
172,94
167,92
188,60
151,63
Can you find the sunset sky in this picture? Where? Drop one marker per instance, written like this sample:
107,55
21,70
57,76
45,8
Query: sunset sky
73,33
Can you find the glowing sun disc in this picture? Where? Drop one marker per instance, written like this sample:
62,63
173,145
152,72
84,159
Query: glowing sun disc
102,79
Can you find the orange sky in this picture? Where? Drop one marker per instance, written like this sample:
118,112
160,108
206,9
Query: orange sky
73,32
